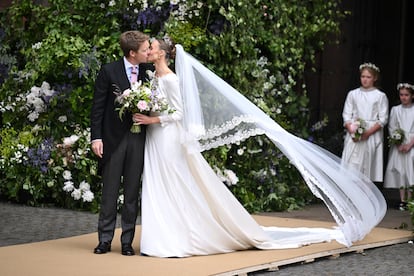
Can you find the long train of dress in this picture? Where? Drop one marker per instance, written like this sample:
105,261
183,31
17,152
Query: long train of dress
187,210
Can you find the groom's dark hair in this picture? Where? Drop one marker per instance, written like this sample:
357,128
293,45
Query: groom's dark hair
131,41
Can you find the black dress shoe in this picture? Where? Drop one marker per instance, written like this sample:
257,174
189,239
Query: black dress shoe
102,248
127,250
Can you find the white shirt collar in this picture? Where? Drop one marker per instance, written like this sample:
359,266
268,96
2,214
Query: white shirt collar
128,65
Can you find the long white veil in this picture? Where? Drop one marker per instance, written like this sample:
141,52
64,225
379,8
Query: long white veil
217,114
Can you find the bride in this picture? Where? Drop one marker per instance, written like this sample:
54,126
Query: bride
187,210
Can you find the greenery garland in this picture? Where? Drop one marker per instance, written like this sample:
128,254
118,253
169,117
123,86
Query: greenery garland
51,53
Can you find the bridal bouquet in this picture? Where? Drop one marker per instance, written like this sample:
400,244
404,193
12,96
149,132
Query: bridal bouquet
140,98
358,128
396,137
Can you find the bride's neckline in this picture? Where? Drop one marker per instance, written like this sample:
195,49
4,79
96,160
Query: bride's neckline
162,70
163,74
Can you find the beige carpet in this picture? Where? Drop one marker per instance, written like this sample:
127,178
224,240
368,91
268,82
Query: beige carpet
73,256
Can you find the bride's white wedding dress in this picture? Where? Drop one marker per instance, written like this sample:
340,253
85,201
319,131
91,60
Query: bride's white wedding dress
187,210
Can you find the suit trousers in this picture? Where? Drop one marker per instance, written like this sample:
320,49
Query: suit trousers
124,167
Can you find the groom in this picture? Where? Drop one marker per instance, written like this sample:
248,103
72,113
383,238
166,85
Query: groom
120,152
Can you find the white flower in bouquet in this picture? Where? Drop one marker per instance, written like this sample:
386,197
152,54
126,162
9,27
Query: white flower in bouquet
135,100
159,103
357,128
140,98
396,137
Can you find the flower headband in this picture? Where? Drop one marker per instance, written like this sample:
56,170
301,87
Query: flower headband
405,85
369,65
165,38
168,40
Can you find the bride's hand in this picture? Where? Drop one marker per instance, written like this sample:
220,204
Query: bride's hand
144,119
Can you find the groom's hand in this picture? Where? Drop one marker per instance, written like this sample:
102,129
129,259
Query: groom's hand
97,148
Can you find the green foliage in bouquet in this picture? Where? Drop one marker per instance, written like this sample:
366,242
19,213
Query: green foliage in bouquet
396,138
51,53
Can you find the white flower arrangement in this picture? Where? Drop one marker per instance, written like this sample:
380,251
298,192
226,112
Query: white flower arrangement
68,186
83,192
62,118
396,137
227,176
369,65
357,129
67,175
140,98
405,85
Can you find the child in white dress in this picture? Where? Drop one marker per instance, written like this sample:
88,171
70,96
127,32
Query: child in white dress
400,168
365,114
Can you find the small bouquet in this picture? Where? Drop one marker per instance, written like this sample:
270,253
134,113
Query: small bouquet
140,98
396,137
357,129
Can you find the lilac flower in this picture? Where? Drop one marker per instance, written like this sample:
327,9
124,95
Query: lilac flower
90,64
218,26
154,16
39,157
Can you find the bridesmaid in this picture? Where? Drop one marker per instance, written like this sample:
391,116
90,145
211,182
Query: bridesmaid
400,168
365,114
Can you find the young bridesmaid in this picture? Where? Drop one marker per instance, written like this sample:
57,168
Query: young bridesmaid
365,114
400,168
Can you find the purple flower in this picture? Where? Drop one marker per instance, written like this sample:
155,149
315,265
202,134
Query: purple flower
39,157
153,16
218,26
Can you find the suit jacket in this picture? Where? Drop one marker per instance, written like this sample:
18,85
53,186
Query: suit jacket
105,122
